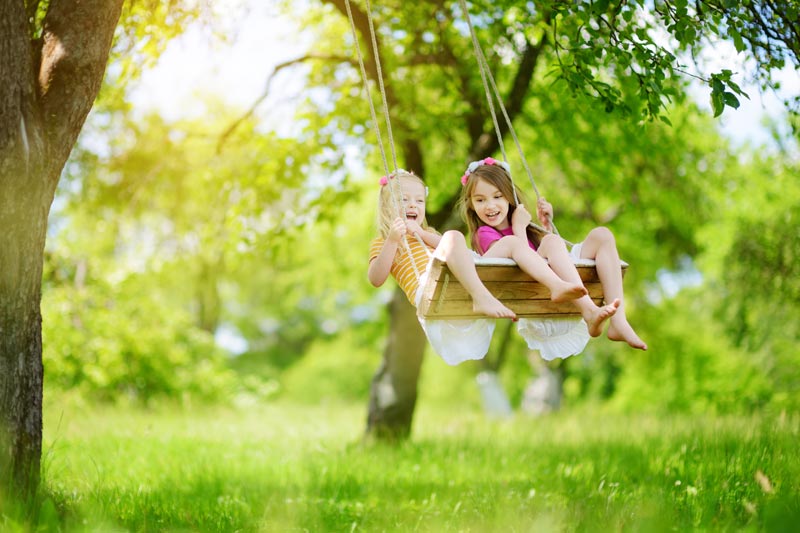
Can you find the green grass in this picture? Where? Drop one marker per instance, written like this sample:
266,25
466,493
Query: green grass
291,468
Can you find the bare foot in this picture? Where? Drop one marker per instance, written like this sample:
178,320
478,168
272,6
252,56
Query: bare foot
567,291
599,315
621,330
492,307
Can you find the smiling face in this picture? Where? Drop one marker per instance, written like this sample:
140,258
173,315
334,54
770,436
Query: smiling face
413,193
490,205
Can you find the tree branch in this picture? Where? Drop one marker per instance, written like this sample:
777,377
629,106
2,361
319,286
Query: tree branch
789,39
361,22
412,148
77,37
286,64
487,143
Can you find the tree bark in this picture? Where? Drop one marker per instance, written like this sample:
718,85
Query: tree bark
23,217
47,88
393,394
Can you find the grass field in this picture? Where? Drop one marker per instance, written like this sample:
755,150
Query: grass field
293,468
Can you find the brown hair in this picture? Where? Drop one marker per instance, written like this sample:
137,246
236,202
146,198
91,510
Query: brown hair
497,176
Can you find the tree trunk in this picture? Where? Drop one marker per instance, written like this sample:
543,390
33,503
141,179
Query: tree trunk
27,188
393,394
24,205
47,88
23,217
544,392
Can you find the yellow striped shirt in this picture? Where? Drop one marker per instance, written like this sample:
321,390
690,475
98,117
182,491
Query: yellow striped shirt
402,269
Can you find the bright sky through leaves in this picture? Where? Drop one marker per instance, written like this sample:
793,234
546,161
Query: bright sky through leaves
196,66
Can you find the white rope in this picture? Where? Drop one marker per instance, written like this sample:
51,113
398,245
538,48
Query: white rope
489,99
509,123
380,84
366,88
393,194
486,72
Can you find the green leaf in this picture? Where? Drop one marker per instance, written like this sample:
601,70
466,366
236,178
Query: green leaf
738,42
735,88
627,15
601,6
717,103
731,100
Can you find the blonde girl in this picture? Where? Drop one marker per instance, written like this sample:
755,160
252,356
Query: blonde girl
397,251
500,227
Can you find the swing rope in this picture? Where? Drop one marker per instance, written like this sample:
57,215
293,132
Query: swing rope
380,83
489,99
393,193
487,73
369,93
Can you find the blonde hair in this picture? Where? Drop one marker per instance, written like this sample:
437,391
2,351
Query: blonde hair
498,177
390,202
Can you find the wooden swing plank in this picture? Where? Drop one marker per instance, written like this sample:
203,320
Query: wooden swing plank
510,290
444,297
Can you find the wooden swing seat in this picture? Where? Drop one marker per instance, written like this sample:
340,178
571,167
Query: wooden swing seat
445,297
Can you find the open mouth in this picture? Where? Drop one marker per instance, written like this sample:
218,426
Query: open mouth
411,216
492,215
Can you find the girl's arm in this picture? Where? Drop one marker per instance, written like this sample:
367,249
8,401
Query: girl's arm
519,222
380,267
428,237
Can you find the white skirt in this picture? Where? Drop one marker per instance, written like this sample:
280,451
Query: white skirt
557,338
456,341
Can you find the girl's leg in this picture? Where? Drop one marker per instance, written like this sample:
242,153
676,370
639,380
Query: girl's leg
536,267
554,250
453,250
601,246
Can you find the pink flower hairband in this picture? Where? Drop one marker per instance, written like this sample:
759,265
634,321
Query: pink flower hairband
385,179
488,161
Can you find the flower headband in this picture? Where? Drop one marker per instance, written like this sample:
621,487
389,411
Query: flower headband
488,161
385,179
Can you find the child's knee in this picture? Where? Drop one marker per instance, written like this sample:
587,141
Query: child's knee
453,234
451,242
453,238
602,234
551,240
